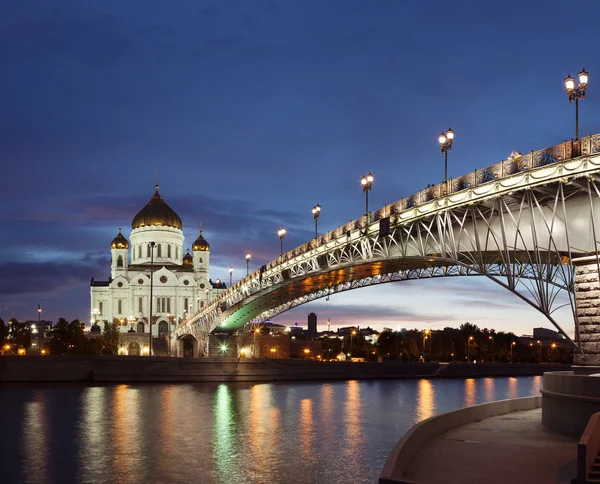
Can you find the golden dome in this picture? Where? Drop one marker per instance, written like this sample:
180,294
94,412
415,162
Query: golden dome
119,242
156,213
201,244
188,260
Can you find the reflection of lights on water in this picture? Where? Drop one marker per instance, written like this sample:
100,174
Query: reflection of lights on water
513,384
425,400
470,392
352,421
536,384
306,429
223,428
34,438
488,385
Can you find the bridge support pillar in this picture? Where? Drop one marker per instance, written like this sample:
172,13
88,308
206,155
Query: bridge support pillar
587,297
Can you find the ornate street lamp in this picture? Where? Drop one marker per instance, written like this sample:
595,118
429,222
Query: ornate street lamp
575,93
469,347
367,182
151,245
230,276
445,139
316,211
281,234
248,257
511,350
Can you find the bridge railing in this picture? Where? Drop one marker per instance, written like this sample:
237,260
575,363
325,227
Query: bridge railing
517,163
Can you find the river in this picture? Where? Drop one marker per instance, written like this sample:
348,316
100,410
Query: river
333,432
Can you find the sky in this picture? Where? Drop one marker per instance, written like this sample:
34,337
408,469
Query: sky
252,112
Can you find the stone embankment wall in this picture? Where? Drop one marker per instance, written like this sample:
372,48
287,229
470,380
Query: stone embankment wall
587,295
164,369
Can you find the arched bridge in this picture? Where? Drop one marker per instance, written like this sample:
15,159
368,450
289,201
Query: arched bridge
519,223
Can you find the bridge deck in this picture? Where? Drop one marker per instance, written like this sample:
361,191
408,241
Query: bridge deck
513,448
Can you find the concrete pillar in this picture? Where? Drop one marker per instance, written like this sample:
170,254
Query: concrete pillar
587,297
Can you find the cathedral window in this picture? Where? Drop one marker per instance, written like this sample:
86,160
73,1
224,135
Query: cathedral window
158,305
185,304
168,304
163,327
148,251
169,251
120,261
139,251
140,327
200,263
100,308
120,306
177,253
201,304
158,251
139,304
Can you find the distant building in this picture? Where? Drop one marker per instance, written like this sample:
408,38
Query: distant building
312,324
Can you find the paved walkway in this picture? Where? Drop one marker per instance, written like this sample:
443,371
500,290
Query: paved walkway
508,449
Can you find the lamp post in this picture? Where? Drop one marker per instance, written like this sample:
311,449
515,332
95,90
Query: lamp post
316,211
469,348
511,351
218,281
248,257
425,334
121,321
539,342
491,338
352,333
151,245
445,139
230,276
576,93
552,348
206,291
367,182
281,234
256,331
39,311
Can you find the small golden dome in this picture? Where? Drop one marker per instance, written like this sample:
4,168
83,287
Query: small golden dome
201,244
188,260
156,212
119,242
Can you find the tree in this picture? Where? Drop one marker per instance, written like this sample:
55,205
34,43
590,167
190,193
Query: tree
389,342
78,343
19,334
59,345
3,332
110,337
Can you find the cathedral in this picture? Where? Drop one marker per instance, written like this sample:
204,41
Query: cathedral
180,281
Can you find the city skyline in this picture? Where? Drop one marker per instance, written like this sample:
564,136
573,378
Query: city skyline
253,115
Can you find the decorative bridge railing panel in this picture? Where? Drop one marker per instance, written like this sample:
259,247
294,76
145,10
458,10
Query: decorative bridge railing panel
514,241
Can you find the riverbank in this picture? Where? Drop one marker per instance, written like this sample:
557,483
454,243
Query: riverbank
128,369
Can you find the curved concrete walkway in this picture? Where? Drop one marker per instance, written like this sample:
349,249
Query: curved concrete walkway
509,449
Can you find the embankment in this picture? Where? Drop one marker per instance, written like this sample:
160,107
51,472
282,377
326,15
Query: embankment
128,369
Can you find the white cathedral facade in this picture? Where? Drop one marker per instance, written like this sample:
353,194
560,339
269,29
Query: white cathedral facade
180,281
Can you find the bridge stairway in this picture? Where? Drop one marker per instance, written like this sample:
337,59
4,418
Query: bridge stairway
216,343
594,475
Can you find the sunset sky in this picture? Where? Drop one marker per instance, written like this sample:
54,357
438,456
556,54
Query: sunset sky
254,111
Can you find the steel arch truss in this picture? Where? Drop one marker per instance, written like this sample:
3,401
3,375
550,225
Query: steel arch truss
521,232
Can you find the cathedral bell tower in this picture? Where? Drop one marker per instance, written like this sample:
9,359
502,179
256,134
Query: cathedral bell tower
201,250
119,249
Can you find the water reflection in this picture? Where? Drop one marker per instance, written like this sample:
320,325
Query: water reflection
127,422
425,400
224,429
34,441
224,433
306,430
513,387
488,385
470,392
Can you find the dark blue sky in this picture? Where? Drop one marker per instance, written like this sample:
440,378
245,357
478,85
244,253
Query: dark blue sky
254,111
